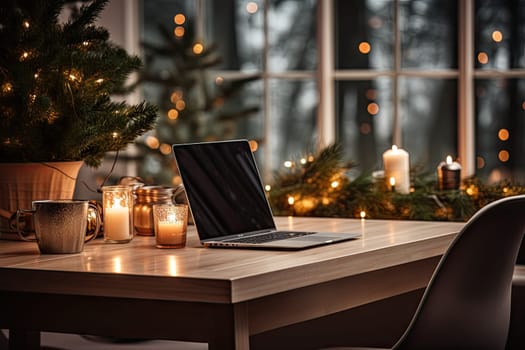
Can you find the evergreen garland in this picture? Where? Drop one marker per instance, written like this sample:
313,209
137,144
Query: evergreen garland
56,83
318,186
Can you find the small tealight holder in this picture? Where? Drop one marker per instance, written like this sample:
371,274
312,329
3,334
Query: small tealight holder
170,222
449,174
117,203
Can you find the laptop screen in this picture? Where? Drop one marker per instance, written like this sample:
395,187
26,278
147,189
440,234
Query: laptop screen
224,188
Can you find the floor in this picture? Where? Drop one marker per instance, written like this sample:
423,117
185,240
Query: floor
59,341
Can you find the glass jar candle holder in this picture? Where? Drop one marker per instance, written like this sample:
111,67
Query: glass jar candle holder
146,197
170,223
117,202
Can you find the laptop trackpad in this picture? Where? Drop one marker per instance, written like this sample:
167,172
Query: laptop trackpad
317,238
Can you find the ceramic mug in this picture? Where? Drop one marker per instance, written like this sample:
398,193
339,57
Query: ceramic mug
60,225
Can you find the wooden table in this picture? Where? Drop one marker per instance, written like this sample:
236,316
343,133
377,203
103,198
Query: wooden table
219,296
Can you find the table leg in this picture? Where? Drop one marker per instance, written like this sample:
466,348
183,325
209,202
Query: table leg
20,339
232,335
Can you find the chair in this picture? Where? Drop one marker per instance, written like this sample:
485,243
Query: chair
468,300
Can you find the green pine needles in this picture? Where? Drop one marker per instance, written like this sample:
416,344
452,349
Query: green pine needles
56,83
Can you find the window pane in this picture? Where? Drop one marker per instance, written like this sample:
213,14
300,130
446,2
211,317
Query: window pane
293,119
292,33
427,112
158,14
500,34
364,34
364,121
236,26
428,30
500,128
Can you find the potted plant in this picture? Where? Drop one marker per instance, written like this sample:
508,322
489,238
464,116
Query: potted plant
57,79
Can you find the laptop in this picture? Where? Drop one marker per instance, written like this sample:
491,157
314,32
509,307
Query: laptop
228,203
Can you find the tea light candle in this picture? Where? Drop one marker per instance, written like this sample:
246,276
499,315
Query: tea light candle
396,165
170,223
449,174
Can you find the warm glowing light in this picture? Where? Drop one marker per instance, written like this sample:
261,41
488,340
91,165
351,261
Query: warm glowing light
471,190
392,181
288,164
311,158
503,134
362,214
99,81
35,76
291,200
497,36
175,96
198,48
152,142
165,149
24,55
480,162
334,184
394,148
179,19
267,188
7,87
448,160
365,128
252,7
219,80
179,31
173,114
117,264
303,161
483,58
180,105
254,145
85,43
172,266
364,47
373,108
503,155
25,24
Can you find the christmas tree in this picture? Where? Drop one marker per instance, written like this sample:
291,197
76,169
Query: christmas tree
193,104
56,83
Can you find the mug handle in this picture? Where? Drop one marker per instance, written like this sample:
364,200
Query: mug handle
98,222
19,230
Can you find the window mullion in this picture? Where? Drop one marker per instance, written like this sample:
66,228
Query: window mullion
466,123
325,73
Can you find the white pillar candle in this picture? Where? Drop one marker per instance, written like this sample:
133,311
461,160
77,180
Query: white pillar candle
397,166
117,223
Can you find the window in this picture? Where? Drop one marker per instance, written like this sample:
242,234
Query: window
436,77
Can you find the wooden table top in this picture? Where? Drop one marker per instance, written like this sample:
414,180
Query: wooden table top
139,270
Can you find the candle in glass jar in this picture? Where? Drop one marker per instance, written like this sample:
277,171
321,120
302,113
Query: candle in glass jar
170,223
396,165
449,174
116,223
117,203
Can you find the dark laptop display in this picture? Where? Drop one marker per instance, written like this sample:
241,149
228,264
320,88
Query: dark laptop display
227,198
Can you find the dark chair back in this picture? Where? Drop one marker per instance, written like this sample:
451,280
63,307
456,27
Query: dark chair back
467,302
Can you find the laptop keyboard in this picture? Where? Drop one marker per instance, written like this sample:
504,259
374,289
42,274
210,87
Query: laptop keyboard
270,237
